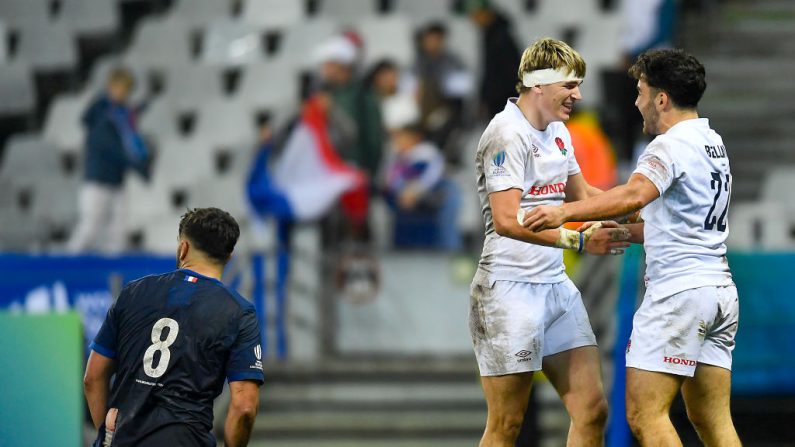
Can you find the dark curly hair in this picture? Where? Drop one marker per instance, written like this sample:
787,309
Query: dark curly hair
675,72
212,231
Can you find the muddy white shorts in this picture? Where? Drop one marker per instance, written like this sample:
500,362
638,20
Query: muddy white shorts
515,324
675,333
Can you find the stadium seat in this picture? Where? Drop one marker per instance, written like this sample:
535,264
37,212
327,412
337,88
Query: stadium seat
21,232
511,8
55,201
17,93
387,37
28,158
200,13
463,39
90,16
21,12
145,201
47,46
188,86
761,226
160,120
302,38
228,194
348,12
3,42
230,43
531,28
226,123
160,234
775,184
63,126
600,46
420,11
159,43
269,86
273,14
180,162
567,12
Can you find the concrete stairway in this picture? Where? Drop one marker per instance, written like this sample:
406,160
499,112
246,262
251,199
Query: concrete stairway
748,49
384,403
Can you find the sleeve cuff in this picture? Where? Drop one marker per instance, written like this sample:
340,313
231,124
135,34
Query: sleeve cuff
497,187
109,353
248,375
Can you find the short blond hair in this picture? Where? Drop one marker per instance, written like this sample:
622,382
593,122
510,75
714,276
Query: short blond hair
549,53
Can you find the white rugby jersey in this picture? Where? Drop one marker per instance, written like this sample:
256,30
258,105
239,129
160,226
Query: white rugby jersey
513,154
686,227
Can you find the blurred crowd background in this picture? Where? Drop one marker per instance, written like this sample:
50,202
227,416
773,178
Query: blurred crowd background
341,135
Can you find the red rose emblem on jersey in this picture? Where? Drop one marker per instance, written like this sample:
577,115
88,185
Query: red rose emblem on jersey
561,145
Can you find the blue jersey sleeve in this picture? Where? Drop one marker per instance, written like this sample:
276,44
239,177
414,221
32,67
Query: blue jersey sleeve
245,359
105,341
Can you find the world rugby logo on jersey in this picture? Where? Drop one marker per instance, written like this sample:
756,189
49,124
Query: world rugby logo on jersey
497,162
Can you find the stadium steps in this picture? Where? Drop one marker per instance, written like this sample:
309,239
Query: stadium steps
749,51
384,403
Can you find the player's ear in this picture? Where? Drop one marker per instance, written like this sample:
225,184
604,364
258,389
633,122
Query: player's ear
183,249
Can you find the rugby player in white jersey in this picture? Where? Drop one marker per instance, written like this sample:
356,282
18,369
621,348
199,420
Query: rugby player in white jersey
526,315
683,333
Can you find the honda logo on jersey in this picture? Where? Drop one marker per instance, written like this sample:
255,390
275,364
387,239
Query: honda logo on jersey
547,189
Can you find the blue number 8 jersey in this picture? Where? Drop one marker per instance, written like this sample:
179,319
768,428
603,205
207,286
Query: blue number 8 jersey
175,338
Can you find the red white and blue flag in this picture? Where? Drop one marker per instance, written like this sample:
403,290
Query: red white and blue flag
309,176
189,278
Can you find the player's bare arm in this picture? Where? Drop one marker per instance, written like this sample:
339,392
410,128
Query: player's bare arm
242,412
625,199
577,188
96,381
600,241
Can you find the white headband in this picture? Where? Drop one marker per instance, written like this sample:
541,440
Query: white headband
548,76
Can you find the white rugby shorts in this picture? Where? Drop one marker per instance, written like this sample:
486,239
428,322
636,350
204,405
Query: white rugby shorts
515,324
675,333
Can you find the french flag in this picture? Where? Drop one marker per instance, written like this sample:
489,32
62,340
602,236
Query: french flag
309,176
189,278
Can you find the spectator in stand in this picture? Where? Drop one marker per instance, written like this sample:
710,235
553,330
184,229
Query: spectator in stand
425,203
444,82
500,57
353,104
113,146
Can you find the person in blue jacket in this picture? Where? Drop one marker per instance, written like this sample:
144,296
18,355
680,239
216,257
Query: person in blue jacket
113,146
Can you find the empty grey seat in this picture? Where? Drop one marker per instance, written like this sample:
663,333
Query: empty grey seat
189,86
55,201
159,43
199,13
226,123
301,39
159,120
17,94
348,12
21,232
90,16
21,12
421,11
386,37
47,46
181,162
28,159
63,125
271,86
273,14
231,43
567,12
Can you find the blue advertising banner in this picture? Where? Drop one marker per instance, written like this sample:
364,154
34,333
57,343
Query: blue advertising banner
86,284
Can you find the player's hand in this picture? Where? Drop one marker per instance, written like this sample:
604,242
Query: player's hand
607,239
603,224
544,217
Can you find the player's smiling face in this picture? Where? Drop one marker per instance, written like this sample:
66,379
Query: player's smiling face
645,104
559,99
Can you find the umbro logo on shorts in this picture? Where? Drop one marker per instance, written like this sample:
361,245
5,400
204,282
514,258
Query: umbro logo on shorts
524,355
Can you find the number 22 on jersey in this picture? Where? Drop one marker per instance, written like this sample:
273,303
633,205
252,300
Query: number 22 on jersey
161,346
719,186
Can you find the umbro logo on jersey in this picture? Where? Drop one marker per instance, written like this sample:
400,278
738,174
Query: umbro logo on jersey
536,151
